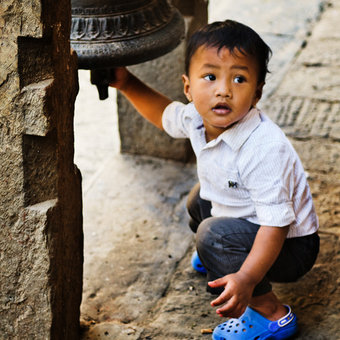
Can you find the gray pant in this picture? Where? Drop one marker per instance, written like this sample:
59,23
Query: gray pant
224,243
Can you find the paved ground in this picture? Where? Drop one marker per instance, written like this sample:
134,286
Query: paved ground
138,283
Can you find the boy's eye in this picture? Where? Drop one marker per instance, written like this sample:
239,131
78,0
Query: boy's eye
239,79
209,77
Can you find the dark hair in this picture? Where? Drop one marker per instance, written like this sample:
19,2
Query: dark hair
232,35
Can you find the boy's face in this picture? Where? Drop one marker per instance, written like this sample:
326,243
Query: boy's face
222,86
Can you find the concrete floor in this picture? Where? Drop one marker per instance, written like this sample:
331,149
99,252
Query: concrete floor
138,283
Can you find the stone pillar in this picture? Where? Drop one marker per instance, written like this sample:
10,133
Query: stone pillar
137,135
40,191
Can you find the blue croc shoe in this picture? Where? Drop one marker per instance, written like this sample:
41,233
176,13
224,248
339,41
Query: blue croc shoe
197,264
251,325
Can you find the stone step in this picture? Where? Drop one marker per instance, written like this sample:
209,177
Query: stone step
301,117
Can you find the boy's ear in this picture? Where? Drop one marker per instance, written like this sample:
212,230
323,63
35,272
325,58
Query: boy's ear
186,87
258,93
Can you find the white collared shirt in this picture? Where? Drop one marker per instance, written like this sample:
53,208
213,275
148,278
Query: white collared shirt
250,171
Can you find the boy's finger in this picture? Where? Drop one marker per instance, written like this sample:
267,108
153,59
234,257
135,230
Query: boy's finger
224,297
231,309
218,283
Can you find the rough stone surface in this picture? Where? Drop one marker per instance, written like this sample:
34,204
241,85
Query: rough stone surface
154,230
40,201
134,214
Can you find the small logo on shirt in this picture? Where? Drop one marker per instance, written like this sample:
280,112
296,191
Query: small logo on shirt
232,184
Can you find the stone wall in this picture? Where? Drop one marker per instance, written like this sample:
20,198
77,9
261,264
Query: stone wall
40,191
137,135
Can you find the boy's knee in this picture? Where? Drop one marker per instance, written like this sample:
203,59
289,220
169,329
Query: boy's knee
210,243
223,244
207,234
217,230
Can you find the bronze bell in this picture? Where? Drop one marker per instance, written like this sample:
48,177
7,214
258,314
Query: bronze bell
111,33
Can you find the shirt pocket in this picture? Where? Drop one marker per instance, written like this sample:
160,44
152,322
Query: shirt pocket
228,187
234,189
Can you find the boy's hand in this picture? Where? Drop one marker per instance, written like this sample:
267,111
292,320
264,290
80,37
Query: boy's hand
119,78
236,295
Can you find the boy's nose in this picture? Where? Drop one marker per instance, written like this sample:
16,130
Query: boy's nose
223,90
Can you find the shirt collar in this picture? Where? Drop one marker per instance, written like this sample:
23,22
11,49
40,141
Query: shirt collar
240,132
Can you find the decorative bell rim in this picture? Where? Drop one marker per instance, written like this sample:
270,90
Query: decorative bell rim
120,33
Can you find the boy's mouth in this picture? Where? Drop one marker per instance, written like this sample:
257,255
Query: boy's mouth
221,109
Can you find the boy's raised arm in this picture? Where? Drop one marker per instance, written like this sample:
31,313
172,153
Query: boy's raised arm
147,101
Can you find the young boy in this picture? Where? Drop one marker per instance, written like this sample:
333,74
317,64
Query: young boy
252,209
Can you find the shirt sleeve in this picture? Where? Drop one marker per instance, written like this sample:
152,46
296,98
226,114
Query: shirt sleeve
268,173
176,120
